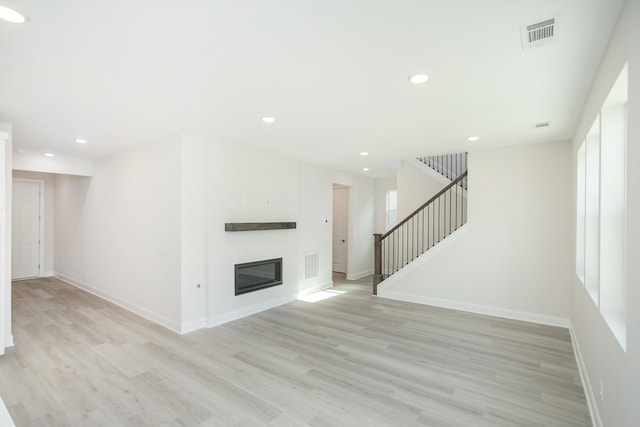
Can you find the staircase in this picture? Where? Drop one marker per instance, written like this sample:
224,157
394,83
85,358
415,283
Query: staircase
436,219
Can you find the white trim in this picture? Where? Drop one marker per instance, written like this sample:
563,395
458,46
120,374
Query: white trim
586,383
359,275
41,209
47,274
315,288
480,309
8,341
6,187
194,325
248,311
134,308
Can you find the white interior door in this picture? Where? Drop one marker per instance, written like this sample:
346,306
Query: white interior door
25,248
340,229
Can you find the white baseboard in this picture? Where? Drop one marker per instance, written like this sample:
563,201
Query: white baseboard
8,341
194,325
586,382
315,288
479,309
134,308
47,274
248,311
359,275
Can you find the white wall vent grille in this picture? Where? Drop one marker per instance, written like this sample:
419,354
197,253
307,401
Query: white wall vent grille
311,266
539,33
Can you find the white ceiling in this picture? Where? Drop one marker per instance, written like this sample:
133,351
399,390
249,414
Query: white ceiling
333,73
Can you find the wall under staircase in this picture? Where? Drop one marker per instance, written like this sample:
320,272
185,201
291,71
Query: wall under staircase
513,258
416,183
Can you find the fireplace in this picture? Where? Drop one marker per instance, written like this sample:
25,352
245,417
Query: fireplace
253,276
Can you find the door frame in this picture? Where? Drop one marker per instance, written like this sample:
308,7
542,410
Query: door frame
5,240
40,183
346,187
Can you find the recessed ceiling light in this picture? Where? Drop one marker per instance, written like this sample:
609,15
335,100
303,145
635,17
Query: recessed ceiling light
268,119
418,79
365,169
473,138
48,154
11,15
364,153
81,141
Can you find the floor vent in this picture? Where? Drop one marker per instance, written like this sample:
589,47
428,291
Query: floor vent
539,33
311,266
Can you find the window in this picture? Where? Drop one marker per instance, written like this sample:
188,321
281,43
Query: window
601,209
613,205
580,213
392,209
592,211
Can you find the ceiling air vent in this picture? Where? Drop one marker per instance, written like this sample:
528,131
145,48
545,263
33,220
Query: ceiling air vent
541,125
539,33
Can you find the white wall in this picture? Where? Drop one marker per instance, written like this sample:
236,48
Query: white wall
48,217
147,230
244,184
513,258
416,184
193,223
118,233
249,185
36,162
603,357
316,221
383,186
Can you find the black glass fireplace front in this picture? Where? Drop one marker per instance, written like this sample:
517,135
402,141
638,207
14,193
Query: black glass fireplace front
253,276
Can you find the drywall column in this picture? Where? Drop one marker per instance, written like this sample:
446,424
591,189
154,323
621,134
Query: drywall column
193,234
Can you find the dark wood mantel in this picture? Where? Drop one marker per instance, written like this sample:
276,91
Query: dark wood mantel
258,226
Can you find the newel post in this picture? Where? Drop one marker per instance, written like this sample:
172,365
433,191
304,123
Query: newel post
377,262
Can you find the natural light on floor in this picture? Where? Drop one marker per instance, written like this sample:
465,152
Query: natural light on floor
320,295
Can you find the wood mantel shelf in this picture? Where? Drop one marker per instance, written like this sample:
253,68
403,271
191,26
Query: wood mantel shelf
258,226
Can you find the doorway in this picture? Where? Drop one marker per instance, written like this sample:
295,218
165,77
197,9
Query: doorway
26,228
340,228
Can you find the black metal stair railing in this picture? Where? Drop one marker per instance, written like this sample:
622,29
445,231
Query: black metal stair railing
450,166
436,219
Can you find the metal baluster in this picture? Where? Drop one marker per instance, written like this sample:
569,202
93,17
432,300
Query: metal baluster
422,239
412,233
384,257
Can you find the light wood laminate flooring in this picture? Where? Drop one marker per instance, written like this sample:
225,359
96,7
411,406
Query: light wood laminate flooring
349,360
